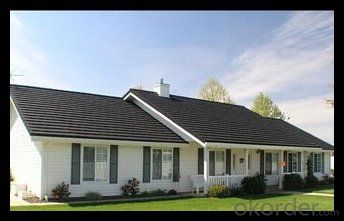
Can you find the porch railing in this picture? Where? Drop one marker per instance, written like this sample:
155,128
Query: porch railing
226,180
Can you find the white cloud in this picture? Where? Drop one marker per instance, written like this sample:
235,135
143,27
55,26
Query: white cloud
299,49
312,115
27,59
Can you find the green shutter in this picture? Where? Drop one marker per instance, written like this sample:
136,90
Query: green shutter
176,160
211,163
113,164
75,173
146,164
262,162
285,159
200,160
312,162
298,161
322,163
228,161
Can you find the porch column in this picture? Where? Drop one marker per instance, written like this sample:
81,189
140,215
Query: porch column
246,162
206,169
280,187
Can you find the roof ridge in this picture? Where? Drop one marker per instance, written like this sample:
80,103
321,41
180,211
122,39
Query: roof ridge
53,89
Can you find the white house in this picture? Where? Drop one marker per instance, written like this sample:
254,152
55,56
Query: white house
96,143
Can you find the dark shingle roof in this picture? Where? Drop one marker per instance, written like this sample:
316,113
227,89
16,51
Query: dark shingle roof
49,112
226,123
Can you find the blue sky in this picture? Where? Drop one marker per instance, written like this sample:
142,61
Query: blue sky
288,55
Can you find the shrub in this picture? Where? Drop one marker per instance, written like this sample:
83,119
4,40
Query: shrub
311,181
254,184
93,196
325,180
61,192
172,192
331,180
132,188
293,182
218,191
158,192
236,191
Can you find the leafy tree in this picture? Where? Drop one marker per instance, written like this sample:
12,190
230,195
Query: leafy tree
213,90
264,106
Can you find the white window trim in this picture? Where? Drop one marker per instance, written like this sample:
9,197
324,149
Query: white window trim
82,181
320,163
151,164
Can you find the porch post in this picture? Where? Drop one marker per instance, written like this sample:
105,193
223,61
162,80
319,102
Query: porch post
206,169
281,170
246,162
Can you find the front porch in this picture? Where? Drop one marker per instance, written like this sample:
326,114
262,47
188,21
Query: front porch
229,166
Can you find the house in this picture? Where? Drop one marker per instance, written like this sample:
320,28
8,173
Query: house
96,143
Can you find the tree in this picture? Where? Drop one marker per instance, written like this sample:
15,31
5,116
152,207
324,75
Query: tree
213,90
264,106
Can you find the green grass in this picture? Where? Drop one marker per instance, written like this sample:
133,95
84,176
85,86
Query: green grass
200,204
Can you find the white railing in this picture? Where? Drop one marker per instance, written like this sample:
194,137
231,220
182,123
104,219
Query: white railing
226,180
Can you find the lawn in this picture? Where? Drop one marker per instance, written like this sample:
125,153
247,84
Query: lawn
267,202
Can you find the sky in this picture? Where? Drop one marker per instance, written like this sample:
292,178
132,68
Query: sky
287,55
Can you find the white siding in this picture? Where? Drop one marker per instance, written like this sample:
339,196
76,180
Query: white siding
25,155
130,161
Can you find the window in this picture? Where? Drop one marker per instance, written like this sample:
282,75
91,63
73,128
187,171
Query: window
249,161
219,162
95,164
292,162
317,163
271,163
162,164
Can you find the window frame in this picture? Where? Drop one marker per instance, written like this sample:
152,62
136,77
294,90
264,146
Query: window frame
152,166
319,161
82,163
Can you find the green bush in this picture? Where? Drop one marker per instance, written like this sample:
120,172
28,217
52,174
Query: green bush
254,184
172,192
218,191
93,196
61,192
331,180
159,192
236,191
293,182
311,181
132,188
